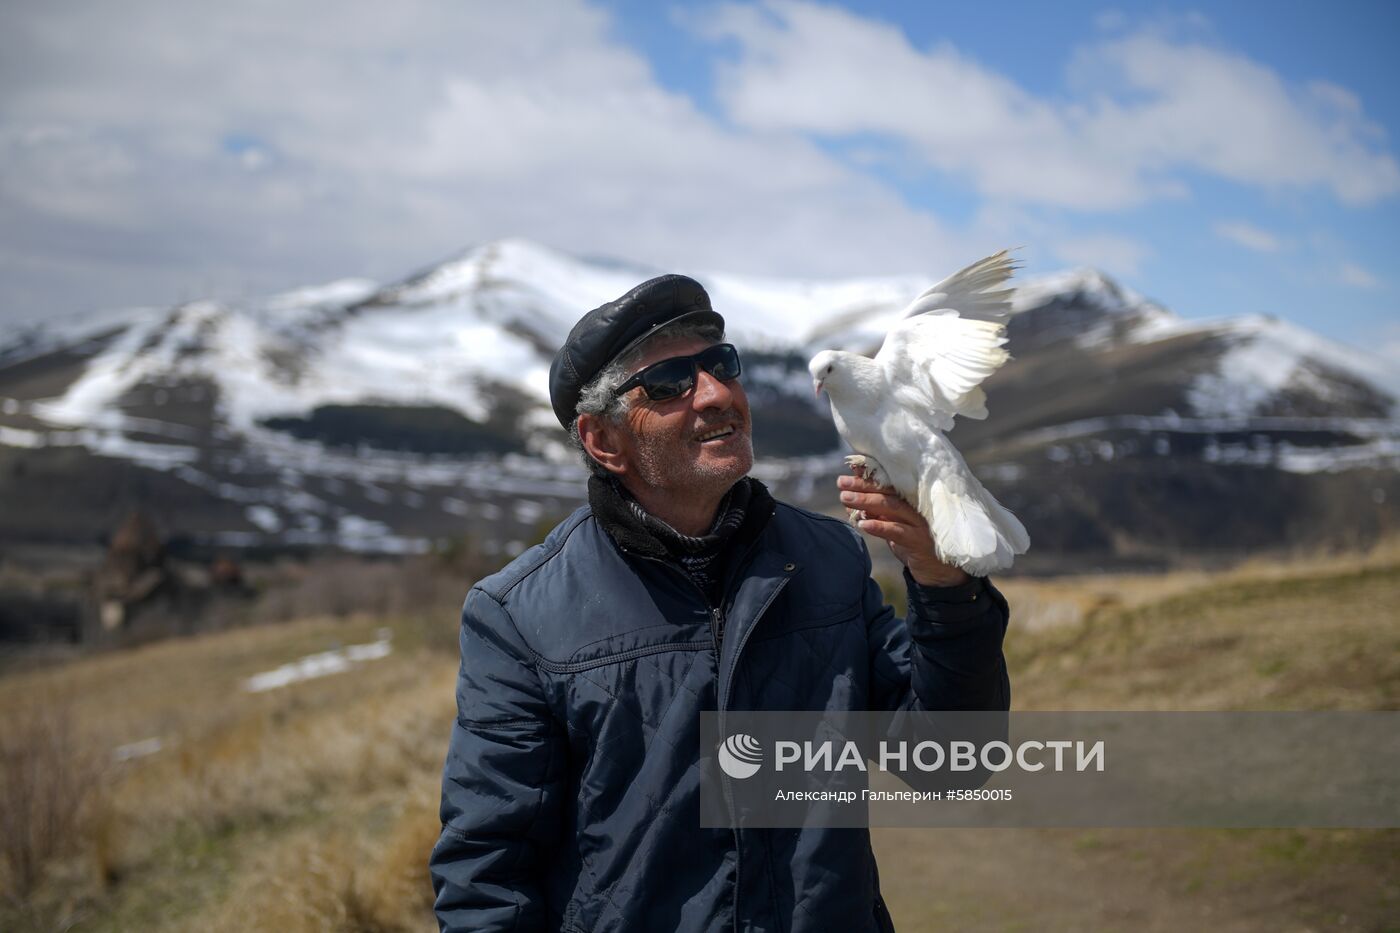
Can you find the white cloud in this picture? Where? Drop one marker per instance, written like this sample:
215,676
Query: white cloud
1199,107
154,152
825,71
1354,275
1248,236
1146,111
253,146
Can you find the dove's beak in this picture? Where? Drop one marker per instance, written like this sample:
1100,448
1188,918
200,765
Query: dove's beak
817,388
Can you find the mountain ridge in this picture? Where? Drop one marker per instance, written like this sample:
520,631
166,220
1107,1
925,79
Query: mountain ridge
371,416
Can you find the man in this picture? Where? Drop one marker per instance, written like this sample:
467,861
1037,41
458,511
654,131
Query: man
571,790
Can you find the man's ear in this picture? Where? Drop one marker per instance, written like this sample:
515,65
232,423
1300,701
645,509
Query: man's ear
603,441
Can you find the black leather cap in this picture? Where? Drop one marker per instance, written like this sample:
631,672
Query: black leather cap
610,330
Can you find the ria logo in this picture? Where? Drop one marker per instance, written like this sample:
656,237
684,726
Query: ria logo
740,756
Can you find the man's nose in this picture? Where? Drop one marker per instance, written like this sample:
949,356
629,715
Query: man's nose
711,392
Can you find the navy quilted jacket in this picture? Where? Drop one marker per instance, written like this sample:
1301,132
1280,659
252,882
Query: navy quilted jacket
571,793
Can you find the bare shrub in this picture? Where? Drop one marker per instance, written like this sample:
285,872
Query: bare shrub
346,586
341,881
50,775
425,592
397,893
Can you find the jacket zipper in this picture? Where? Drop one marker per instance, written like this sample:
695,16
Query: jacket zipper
717,622
716,616
723,706
724,782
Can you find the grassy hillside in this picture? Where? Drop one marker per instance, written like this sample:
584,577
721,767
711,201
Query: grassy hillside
1316,635
307,807
313,806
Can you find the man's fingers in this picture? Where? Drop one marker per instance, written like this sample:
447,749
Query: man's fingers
895,533
883,504
861,484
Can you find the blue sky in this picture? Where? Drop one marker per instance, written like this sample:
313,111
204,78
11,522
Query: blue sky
1222,159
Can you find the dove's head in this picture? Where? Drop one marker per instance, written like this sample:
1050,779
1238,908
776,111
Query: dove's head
825,367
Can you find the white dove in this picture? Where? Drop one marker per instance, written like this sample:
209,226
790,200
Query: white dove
893,409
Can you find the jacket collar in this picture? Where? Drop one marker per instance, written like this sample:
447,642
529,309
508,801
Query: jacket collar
759,581
631,534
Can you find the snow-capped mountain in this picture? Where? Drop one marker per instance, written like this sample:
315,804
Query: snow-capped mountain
383,417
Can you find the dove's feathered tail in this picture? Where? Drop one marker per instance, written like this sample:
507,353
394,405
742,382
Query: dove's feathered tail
971,529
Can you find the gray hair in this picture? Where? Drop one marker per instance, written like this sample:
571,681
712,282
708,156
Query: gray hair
599,397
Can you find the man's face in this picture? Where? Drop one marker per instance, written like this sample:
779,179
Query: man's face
661,439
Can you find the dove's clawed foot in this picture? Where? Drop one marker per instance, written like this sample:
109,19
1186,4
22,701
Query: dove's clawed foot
868,468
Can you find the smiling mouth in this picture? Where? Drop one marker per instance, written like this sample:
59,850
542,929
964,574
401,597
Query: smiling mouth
714,435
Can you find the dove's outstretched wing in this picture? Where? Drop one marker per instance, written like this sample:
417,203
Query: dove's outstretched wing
951,339
973,292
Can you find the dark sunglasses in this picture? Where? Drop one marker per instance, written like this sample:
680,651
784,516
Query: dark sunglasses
674,377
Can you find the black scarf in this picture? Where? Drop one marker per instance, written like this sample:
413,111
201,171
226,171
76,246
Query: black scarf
741,516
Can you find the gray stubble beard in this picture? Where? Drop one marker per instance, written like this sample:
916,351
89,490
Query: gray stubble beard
653,472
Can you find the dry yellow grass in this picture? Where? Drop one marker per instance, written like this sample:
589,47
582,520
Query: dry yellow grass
255,792
342,879
1312,639
313,807
1323,633
1059,602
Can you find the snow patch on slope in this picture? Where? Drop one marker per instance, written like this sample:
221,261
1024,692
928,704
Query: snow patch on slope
1088,284
1127,315
339,293
321,664
1267,356
149,346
